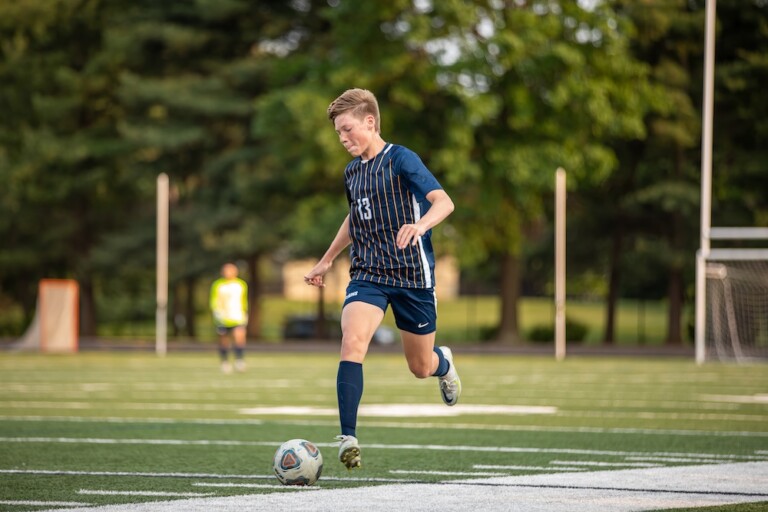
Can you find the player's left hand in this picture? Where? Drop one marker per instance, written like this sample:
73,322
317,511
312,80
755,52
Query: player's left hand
409,234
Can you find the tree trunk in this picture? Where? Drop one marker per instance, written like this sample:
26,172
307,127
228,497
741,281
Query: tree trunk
189,306
87,309
614,279
676,286
510,294
254,297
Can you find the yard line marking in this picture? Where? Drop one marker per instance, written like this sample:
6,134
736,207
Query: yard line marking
525,468
142,406
258,486
594,463
679,459
45,503
404,410
99,492
128,473
407,425
90,440
187,475
444,473
760,398
702,457
666,415
113,419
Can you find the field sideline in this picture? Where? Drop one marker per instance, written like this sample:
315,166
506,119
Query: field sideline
132,431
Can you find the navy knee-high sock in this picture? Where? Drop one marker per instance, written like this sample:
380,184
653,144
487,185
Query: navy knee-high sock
442,363
349,391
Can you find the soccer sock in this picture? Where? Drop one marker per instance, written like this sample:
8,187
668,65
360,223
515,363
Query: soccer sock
223,353
442,363
238,352
349,391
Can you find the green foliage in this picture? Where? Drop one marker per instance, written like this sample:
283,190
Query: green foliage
229,98
575,332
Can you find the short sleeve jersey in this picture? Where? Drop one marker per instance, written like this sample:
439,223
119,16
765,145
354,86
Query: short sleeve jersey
385,193
229,302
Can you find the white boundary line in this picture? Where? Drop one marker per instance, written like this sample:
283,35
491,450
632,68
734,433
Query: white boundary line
688,456
391,424
631,490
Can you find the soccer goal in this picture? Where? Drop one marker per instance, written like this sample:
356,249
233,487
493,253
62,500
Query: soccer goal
732,301
731,284
55,325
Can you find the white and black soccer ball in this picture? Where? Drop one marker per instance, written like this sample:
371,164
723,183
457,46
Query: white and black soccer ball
298,462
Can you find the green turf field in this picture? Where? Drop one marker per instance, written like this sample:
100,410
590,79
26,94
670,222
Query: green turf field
110,428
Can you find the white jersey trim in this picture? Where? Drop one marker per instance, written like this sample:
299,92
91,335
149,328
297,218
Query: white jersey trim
426,271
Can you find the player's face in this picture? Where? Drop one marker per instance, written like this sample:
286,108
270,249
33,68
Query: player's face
355,134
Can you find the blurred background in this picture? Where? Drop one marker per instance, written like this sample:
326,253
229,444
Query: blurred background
229,98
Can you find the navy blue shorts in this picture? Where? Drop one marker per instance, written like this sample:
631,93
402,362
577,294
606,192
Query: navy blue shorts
223,330
415,309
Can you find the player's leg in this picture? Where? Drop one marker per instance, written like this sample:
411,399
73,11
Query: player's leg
238,335
223,346
359,320
416,316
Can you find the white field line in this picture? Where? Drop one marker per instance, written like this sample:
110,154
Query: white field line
32,503
392,424
54,472
525,468
701,457
678,459
256,486
428,410
405,410
631,490
101,492
600,464
647,415
444,473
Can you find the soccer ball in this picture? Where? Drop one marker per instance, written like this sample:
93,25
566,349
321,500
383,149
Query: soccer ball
298,462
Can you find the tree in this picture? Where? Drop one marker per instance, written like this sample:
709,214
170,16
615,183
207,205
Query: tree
65,182
542,86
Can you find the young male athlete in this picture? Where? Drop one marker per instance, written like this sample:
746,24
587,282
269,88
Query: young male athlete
394,201
229,306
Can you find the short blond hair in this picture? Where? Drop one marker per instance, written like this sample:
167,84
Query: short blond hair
361,102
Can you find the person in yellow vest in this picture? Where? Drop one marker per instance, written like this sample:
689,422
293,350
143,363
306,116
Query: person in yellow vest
229,305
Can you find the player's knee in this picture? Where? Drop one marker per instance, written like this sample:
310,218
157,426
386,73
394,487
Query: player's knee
419,370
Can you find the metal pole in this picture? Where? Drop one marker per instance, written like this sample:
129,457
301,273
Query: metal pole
560,264
161,315
706,178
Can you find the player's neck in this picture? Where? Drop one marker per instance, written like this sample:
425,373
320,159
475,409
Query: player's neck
374,148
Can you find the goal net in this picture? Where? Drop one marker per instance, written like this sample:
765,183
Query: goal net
736,306
55,325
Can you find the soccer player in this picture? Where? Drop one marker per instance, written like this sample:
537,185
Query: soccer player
394,201
229,305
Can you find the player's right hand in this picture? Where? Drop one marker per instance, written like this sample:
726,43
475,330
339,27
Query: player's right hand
315,276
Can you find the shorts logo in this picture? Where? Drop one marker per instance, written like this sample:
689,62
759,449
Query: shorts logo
423,325
350,295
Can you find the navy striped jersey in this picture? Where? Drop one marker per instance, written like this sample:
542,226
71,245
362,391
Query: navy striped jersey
385,193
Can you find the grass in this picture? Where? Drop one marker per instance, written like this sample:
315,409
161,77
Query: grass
462,320
118,422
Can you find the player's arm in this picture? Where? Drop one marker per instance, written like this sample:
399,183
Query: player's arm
340,242
214,301
441,207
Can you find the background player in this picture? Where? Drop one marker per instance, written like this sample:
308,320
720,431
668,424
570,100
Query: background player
394,202
229,306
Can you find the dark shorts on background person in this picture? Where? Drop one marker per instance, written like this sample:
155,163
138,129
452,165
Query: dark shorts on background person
223,330
415,309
